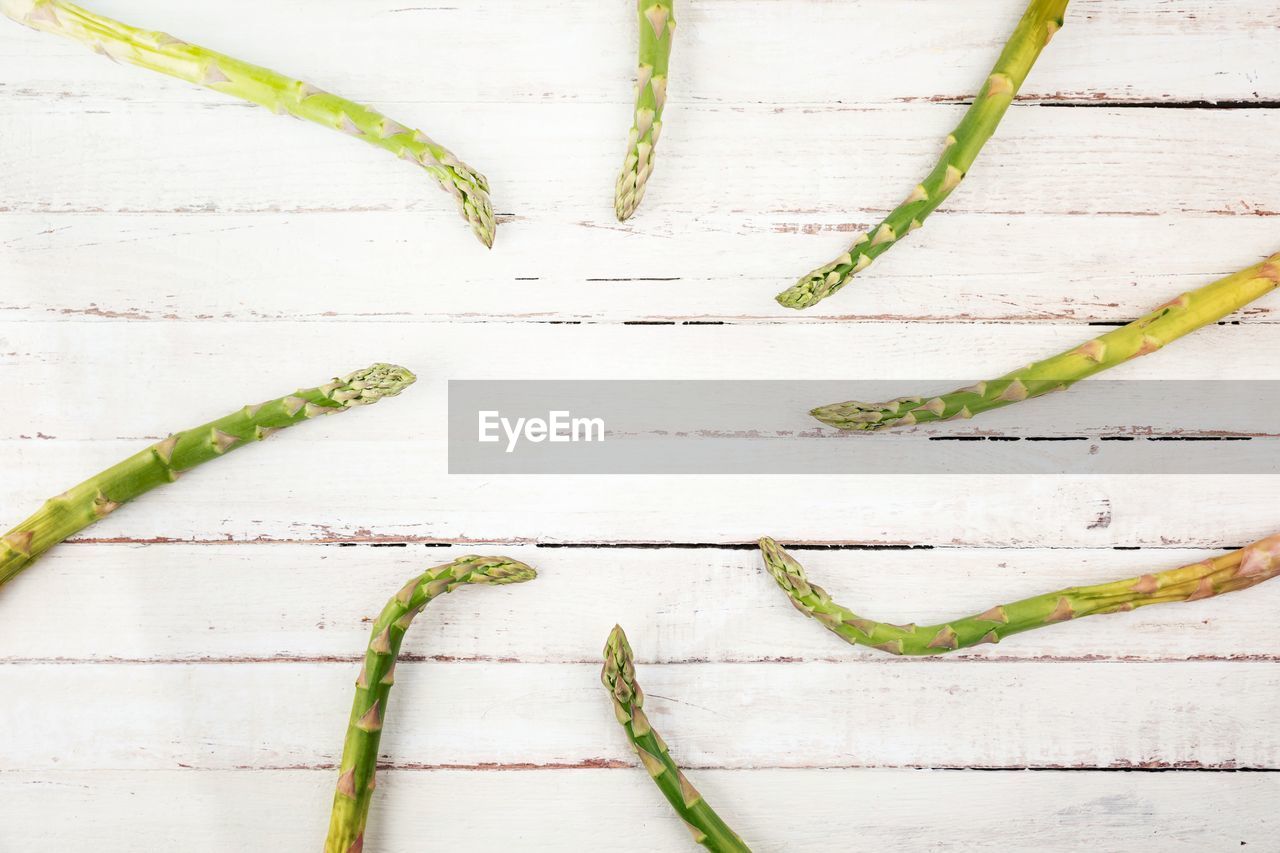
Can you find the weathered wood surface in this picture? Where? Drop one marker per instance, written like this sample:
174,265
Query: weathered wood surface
179,677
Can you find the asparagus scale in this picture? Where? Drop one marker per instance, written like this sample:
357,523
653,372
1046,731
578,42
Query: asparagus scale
1231,572
358,767
1147,334
657,29
281,94
163,462
619,678
1042,19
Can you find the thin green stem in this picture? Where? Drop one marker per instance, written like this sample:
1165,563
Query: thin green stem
657,29
1143,336
163,462
359,763
281,94
1042,19
1228,573
619,678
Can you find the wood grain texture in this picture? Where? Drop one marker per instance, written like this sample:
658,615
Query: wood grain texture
867,713
167,254
182,602
1059,812
380,474
817,51
74,267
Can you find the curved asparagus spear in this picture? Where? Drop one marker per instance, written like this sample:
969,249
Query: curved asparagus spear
82,505
1042,19
657,28
377,675
619,678
168,55
1147,334
1228,573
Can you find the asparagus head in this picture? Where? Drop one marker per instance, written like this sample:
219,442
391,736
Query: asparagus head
1228,573
377,675
100,495
657,28
1145,335
619,678
168,55
1042,19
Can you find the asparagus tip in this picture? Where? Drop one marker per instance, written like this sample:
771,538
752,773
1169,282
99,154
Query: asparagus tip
818,284
617,646
497,570
784,568
866,417
625,204
486,231
619,666
618,675
472,193
368,386
798,296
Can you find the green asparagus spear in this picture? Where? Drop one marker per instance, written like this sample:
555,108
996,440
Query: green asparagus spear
619,678
377,675
657,28
1147,334
1042,19
168,55
82,505
1230,572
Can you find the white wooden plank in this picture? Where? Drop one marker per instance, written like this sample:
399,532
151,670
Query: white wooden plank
382,491
381,473
775,810
727,50
92,366
937,713
269,266
826,166
188,602
128,196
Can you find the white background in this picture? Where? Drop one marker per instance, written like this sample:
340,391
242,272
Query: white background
179,677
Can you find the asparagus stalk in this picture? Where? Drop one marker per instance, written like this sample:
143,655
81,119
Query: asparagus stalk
168,55
1228,573
619,678
1147,334
657,28
377,675
1041,20
100,495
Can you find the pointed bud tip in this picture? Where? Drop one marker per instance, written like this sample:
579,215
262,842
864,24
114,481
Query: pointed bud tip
617,647
370,385
866,417
486,231
498,570
776,559
798,296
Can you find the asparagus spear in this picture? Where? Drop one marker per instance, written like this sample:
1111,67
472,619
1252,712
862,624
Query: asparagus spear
619,678
1147,334
657,28
1228,573
1042,19
168,55
377,675
100,495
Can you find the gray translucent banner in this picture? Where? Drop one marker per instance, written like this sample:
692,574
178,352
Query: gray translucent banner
763,427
